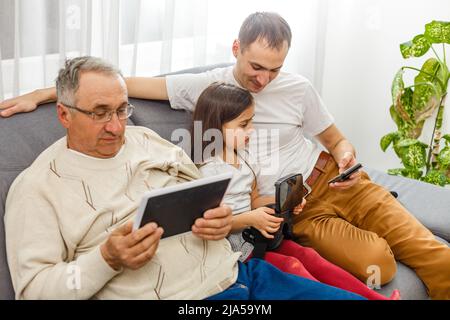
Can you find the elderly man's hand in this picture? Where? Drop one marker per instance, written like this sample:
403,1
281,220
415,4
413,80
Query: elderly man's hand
131,249
215,224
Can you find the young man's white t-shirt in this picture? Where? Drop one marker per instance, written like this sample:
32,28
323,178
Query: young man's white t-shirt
285,110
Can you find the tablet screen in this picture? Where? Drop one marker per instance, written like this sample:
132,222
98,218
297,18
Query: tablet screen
176,208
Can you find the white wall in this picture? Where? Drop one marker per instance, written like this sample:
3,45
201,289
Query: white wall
362,56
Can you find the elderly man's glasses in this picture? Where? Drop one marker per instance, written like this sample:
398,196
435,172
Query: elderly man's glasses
103,116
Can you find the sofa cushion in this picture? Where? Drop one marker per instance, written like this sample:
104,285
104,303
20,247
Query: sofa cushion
428,203
6,289
406,280
411,287
22,138
25,136
158,116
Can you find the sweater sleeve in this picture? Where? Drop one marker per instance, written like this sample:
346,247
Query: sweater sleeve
39,258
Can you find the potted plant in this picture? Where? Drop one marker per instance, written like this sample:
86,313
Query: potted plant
419,102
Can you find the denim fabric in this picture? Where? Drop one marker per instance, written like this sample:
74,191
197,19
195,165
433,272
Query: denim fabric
258,280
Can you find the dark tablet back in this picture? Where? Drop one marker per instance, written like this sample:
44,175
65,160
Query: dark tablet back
176,211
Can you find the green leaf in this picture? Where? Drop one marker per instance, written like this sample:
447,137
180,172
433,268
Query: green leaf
386,141
412,173
438,32
427,101
431,71
444,158
435,177
415,131
398,151
395,172
446,137
427,93
413,153
411,142
397,85
401,98
397,119
414,157
415,48
405,105
409,173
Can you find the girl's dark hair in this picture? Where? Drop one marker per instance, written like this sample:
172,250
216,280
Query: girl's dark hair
218,104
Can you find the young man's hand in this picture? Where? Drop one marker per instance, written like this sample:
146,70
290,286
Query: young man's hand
215,224
24,103
131,249
347,161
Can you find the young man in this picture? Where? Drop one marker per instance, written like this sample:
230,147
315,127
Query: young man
355,224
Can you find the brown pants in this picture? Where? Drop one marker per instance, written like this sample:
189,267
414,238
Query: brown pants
365,226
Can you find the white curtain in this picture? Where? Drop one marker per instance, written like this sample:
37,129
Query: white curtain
347,48
142,37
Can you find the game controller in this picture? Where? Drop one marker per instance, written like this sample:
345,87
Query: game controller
289,194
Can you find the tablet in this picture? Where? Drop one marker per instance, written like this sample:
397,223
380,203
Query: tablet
176,208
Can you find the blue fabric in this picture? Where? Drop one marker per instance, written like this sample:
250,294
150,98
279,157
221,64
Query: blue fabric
259,280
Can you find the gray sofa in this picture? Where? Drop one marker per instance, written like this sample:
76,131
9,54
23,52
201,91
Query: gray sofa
23,137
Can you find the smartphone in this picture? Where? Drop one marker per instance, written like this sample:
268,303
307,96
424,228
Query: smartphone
346,174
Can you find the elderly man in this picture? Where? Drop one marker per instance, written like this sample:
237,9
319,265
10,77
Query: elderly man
68,216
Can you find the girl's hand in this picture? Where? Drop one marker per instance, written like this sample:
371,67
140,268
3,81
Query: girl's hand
263,220
300,207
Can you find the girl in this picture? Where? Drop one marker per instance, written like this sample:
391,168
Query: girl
226,111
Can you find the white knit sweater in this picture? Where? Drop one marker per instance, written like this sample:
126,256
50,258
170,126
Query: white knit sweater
64,206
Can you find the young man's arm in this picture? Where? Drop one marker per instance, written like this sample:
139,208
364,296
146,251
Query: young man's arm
27,102
138,87
335,142
147,88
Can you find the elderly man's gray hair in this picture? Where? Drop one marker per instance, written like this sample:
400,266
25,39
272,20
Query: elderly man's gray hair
68,79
